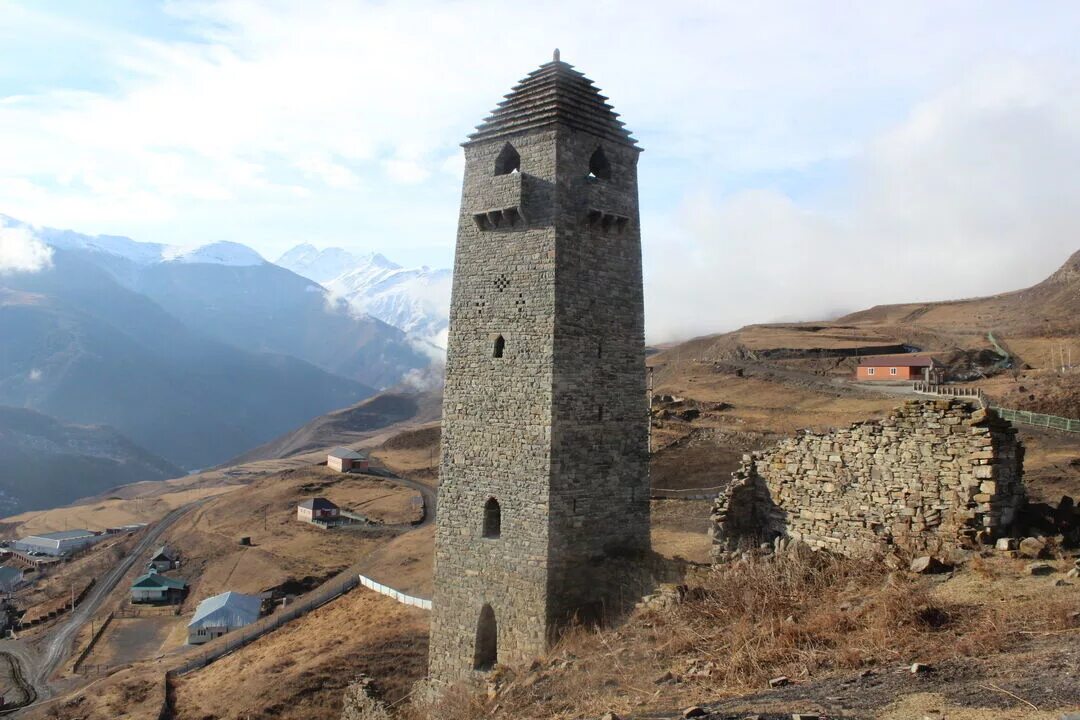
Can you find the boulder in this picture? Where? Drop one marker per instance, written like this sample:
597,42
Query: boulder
694,712
927,564
779,681
1032,548
1040,568
1006,544
919,668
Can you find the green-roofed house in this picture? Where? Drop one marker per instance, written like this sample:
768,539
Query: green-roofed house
153,587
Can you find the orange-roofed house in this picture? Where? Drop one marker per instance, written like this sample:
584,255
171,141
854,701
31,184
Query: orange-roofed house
899,368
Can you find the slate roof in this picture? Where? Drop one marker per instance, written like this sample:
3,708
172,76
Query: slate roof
555,93
154,579
229,609
318,504
345,453
163,553
917,361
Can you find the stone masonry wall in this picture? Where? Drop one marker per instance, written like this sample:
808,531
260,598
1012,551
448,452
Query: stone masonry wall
556,429
933,474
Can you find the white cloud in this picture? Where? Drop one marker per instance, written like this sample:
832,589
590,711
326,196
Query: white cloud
970,195
947,124
21,251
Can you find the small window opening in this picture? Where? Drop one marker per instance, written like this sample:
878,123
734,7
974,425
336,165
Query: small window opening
599,167
600,413
500,346
600,349
492,519
508,161
487,640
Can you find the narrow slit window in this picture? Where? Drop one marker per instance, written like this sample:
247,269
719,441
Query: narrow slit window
600,413
508,161
500,347
492,519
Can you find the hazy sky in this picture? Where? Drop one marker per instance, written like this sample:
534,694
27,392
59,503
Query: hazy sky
800,158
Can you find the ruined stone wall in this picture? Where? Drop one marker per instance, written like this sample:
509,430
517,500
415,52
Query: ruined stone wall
934,473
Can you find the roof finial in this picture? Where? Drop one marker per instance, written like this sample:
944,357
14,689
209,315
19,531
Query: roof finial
555,55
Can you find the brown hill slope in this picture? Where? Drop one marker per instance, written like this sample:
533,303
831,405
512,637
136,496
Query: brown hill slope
348,425
1049,308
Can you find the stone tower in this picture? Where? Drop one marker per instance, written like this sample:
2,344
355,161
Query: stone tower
544,484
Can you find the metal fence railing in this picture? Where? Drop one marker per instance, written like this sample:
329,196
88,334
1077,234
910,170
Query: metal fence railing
1039,419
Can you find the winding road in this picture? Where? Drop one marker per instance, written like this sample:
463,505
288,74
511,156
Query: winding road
36,668
33,668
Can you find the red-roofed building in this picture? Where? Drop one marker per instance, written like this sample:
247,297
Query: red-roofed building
897,368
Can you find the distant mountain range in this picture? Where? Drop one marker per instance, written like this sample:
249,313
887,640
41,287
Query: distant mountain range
191,356
46,460
416,300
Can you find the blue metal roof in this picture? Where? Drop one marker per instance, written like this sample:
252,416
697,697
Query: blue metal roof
229,609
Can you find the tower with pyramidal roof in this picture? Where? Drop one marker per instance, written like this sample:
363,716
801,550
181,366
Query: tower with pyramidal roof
544,488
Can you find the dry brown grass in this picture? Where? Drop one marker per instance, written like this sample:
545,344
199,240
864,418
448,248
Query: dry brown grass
803,616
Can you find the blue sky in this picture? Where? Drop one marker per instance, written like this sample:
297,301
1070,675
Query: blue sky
800,158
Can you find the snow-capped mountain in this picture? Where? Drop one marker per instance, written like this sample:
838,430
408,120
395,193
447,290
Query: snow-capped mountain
416,300
219,253
320,265
144,253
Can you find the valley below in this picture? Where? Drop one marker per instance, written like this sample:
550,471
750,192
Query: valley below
999,642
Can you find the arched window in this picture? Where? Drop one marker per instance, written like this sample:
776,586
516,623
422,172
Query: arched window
487,640
500,347
508,161
599,166
492,518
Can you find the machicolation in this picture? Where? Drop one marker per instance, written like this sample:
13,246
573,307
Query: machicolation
933,474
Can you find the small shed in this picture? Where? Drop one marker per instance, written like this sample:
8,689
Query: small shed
222,613
163,559
153,587
317,509
343,459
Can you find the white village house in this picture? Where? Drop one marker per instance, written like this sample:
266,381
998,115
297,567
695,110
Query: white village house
315,509
163,559
153,587
343,459
222,613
